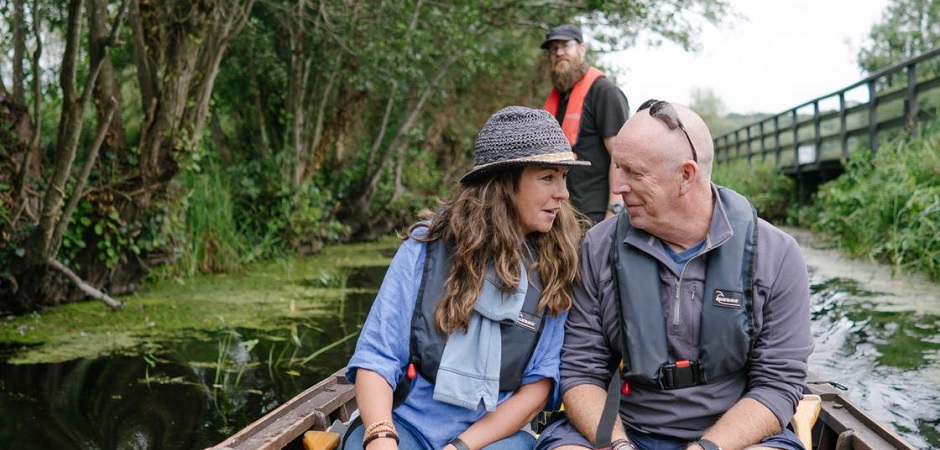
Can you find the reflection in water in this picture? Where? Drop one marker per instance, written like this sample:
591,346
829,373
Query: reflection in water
98,404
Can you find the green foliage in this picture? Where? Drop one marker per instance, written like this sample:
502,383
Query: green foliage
770,191
439,69
324,120
97,221
213,241
308,211
886,206
907,28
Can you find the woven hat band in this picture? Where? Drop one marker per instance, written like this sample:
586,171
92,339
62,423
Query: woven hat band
546,158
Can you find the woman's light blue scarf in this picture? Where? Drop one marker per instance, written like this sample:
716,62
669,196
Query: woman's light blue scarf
470,365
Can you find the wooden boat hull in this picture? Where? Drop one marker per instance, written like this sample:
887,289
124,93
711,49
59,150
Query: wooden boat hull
313,409
840,424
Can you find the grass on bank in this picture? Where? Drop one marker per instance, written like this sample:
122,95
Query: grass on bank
886,206
770,191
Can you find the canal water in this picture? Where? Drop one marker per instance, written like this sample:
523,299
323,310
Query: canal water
877,334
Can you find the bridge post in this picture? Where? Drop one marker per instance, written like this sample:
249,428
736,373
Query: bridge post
763,147
872,116
912,104
843,128
777,148
817,140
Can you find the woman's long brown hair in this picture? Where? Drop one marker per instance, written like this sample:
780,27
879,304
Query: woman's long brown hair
480,220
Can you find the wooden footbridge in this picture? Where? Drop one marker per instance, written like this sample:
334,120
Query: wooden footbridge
812,141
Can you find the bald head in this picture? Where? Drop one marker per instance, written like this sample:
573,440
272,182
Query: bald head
660,135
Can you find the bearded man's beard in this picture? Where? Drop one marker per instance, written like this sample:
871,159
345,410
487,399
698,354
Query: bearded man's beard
564,76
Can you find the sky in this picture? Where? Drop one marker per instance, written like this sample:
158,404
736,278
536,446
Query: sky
781,54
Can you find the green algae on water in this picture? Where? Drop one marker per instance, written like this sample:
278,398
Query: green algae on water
264,298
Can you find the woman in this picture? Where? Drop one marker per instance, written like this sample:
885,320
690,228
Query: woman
493,267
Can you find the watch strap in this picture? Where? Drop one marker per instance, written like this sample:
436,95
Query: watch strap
707,445
459,444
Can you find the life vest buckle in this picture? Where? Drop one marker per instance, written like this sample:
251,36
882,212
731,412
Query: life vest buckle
680,374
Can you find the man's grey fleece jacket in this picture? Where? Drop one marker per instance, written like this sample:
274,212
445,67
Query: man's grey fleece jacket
778,362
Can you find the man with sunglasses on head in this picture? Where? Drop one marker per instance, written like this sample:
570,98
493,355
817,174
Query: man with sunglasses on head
690,327
591,110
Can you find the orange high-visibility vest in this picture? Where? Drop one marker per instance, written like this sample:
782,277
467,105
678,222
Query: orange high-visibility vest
571,123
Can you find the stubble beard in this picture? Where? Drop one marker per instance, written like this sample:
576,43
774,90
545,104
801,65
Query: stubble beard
564,76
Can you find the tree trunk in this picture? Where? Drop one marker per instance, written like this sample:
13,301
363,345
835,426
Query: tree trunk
297,88
188,55
106,90
19,51
70,127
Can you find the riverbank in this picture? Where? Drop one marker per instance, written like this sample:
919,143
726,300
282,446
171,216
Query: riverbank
892,288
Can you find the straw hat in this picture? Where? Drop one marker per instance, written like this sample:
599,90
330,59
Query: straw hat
518,136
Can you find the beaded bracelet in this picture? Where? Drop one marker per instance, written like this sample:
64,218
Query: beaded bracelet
380,434
381,428
386,423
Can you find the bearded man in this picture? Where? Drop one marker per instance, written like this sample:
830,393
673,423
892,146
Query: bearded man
591,109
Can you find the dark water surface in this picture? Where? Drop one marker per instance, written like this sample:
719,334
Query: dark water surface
876,334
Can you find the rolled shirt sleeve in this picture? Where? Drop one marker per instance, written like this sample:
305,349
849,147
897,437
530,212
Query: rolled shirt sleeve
383,345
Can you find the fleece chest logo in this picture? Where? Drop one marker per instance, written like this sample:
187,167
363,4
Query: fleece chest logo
728,299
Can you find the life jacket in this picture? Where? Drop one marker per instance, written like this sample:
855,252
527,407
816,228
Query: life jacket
727,330
427,343
572,120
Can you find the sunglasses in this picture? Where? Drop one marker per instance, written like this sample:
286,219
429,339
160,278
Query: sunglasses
665,112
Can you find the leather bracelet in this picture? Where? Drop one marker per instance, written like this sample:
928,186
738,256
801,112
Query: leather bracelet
380,434
707,445
459,444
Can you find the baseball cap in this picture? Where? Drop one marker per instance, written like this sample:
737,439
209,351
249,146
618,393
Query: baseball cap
566,32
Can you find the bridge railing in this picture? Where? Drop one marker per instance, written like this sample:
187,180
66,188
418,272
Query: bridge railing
832,127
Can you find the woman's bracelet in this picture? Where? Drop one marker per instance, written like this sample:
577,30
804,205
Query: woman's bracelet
386,423
377,429
379,434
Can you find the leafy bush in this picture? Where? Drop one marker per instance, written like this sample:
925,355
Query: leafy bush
886,206
768,190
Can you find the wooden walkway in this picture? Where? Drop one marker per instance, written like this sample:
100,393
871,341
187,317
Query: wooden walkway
812,141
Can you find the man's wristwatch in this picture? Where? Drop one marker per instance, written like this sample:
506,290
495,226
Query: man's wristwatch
615,208
707,445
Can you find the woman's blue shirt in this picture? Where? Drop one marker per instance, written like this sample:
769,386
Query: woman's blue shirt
383,348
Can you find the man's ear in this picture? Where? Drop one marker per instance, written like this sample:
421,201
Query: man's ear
688,171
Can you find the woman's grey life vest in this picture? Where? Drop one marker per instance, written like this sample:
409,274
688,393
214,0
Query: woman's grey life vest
519,338
726,334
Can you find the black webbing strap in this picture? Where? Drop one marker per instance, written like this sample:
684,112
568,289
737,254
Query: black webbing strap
605,426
